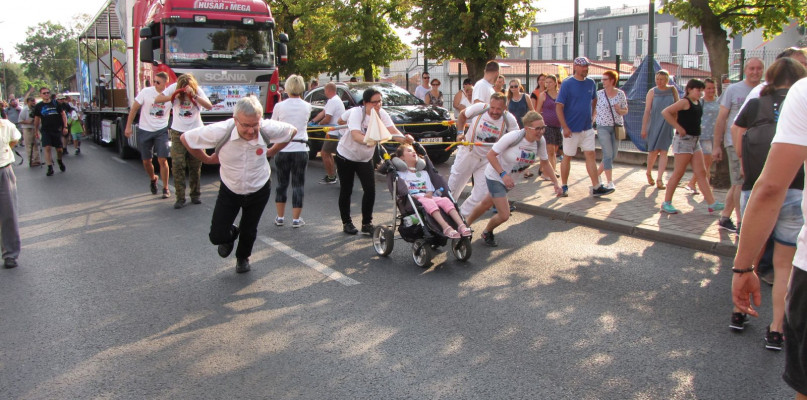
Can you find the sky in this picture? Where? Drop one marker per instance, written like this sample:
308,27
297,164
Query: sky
14,21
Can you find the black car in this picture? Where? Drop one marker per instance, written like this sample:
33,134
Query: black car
404,109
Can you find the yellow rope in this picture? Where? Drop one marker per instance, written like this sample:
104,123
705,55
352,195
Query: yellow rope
327,128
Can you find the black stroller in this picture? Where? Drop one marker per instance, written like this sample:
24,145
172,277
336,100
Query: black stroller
414,225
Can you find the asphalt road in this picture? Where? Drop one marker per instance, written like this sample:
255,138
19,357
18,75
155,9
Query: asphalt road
119,296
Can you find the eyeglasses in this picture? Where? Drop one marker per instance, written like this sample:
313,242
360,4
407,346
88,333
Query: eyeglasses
435,84
254,127
375,102
425,78
44,93
538,129
513,87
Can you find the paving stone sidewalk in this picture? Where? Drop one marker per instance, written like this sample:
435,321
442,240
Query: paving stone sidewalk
632,209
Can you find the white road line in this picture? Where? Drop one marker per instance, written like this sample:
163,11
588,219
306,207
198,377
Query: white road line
316,265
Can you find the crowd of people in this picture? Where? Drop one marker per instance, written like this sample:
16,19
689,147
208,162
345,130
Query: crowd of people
761,125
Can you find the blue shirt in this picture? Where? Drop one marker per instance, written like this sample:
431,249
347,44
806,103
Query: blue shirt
576,97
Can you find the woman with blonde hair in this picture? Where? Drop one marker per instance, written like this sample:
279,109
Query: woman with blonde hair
655,129
187,100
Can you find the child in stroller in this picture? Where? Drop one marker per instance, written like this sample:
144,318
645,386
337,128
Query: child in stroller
421,188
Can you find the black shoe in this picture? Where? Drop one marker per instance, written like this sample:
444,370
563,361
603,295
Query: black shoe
227,248
10,263
153,186
367,229
489,240
78,151
726,225
61,165
196,201
773,340
738,321
179,204
349,228
242,265
601,190
50,171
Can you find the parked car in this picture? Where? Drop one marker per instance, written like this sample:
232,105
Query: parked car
403,107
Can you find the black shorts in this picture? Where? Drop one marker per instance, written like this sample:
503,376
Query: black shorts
52,139
796,332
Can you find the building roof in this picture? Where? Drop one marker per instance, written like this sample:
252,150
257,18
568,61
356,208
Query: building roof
519,67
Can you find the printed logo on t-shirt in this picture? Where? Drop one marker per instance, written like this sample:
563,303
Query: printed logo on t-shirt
158,110
488,132
417,184
186,109
526,157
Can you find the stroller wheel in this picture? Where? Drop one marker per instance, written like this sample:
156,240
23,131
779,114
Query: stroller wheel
382,240
422,253
461,248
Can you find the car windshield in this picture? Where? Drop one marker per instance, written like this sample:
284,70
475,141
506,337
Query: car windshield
218,47
392,95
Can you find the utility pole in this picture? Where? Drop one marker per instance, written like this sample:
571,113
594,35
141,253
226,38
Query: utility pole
3,59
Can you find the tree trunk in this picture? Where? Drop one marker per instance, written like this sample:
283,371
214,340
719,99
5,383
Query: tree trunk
476,68
368,74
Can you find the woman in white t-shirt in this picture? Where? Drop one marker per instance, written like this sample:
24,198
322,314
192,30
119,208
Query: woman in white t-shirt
353,158
187,100
513,149
291,162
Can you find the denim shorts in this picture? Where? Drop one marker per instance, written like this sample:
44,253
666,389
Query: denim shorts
706,145
790,220
496,188
686,144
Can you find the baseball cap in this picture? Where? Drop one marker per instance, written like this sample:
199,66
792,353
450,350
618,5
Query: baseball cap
60,96
582,61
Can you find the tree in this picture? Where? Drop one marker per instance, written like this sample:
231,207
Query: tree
717,17
49,52
310,26
471,30
365,40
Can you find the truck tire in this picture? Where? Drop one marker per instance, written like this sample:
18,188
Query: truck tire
124,151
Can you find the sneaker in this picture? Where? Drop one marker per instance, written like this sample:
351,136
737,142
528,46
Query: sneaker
725,224
738,321
565,191
328,180
773,340
367,229
61,165
691,190
10,262
50,171
179,204
280,221
297,223
489,239
225,249
242,265
167,193
668,208
601,191
610,185
196,200
349,228
716,207
153,186
78,151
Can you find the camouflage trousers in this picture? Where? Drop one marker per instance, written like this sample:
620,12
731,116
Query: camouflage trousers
183,163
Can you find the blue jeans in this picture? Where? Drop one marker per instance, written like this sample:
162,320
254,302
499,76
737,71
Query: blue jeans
609,146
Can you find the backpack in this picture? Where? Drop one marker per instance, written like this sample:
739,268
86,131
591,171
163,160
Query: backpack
757,140
484,110
231,126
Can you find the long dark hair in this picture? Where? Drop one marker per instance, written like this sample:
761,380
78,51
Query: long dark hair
784,72
368,94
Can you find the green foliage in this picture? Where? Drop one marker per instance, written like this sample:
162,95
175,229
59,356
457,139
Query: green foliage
310,26
471,30
48,52
738,16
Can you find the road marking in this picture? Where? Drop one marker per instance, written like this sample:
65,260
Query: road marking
312,263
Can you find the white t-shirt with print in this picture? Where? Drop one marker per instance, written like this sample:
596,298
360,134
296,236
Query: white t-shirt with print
792,129
335,108
485,129
187,116
357,120
482,91
295,111
153,117
511,155
418,182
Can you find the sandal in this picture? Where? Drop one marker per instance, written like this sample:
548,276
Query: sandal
464,230
451,233
650,180
660,185
528,174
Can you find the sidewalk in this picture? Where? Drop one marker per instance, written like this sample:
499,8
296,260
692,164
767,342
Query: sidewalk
632,209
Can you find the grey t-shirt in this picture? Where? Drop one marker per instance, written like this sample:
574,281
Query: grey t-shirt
733,98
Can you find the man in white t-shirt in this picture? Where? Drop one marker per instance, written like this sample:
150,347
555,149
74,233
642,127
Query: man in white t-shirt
423,88
245,173
787,155
30,138
152,131
731,101
483,88
328,116
9,225
488,124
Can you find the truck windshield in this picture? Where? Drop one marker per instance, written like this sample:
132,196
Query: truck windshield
218,46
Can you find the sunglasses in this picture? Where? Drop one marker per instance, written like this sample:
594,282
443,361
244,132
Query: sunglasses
513,87
44,93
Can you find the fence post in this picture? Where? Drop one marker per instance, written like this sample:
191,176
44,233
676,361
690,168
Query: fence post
618,62
459,76
742,65
527,78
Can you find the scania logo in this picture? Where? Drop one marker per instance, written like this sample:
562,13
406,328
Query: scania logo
226,77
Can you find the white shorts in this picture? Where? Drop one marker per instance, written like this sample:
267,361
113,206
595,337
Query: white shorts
584,140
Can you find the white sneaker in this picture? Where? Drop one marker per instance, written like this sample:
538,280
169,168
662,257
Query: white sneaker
296,223
610,185
279,221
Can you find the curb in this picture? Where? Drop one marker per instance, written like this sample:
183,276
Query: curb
626,228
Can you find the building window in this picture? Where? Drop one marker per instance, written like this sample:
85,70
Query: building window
554,40
582,35
640,33
619,33
700,33
599,36
540,41
655,32
674,32
565,39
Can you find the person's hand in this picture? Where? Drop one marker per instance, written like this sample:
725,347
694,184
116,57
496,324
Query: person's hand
409,139
128,131
682,132
567,133
744,288
717,154
558,190
212,159
429,195
644,134
509,183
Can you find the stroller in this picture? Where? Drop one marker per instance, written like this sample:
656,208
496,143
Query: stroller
410,218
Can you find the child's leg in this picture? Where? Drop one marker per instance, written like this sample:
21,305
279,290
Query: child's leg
431,208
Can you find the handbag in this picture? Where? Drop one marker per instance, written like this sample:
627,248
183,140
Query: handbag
619,130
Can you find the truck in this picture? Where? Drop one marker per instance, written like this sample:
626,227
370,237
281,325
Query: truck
228,45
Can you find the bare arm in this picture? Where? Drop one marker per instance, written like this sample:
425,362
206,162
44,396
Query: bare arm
737,133
200,154
720,130
529,103
37,122
161,98
130,120
494,162
64,121
670,115
562,118
204,102
427,98
648,104
458,101
461,126
539,104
